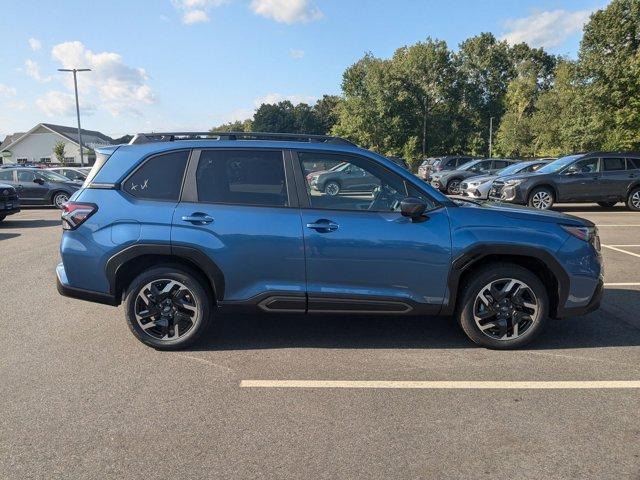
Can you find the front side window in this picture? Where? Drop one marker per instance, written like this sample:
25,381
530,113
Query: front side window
358,184
588,165
633,163
500,164
26,176
613,164
159,178
243,177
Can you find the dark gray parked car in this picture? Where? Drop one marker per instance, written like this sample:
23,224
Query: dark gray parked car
39,187
9,201
450,181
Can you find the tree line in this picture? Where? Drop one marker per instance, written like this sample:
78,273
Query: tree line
428,100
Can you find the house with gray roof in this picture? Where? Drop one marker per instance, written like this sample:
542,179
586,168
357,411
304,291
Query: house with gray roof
36,145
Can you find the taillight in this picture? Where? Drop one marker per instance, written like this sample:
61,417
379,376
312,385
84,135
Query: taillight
75,214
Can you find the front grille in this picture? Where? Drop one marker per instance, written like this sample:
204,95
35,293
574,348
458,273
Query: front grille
9,198
496,189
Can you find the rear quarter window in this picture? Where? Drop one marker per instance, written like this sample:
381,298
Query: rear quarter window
159,177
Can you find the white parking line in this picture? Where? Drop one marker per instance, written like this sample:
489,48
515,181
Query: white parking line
624,245
600,225
438,385
610,247
623,284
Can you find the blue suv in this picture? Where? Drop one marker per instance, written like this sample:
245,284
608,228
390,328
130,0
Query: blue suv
179,227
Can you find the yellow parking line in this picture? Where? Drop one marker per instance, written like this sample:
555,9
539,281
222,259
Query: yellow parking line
447,385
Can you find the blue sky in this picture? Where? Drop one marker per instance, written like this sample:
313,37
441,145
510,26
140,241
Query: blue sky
191,64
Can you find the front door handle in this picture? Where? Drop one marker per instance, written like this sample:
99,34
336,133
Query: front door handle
323,225
198,218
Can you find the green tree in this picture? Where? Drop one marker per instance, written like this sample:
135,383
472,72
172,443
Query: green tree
58,151
278,117
235,126
326,111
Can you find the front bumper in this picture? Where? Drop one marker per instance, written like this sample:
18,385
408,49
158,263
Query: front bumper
592,306
9,205
502,193
481,192
66,290
436,183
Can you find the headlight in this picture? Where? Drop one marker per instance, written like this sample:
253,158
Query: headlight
588,234
5,192
513,183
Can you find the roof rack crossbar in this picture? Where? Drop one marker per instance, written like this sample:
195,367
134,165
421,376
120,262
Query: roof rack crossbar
295,137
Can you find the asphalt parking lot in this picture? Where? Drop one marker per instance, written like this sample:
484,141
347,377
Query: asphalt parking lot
80,397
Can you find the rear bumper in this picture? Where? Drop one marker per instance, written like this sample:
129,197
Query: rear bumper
9,211
66,290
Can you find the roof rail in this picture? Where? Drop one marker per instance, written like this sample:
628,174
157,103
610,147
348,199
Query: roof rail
293,137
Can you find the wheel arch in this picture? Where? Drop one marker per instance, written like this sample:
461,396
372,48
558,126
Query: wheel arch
550,186
125,265
54,192
538,261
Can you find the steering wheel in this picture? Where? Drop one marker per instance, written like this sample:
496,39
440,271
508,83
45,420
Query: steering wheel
381,193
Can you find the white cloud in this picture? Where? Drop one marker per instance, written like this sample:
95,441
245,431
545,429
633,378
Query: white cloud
34,44
55,103
287,11
195,16
120,87
7,91
546,29
17,105
33,70
196,11
296,54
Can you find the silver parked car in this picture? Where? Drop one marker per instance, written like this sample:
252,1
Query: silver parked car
478,187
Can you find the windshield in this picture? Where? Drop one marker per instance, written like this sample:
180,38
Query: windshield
559,164
468,165
53,176
511,169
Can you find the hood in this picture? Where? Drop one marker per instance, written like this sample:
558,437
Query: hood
480,178
522,176
522,212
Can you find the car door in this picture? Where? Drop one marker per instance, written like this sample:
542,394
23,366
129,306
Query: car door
362,254
30,186
579,181
614,179
239,208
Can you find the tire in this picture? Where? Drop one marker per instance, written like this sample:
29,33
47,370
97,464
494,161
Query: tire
500,332
191,309
332,188
541,198
453,187
607,204
58,199
633,199
2,217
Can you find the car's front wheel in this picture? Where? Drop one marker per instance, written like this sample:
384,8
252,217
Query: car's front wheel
2,217
607,204
633,200
541,198
503,306
453,187
60,198
168,308
332,188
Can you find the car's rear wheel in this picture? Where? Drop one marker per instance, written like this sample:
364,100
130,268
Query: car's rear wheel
607,204
541,198
453,187
503,306
60,198
332,188
168,308
2,217
633,200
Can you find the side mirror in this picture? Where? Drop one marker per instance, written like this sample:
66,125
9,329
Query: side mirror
39,181
413,208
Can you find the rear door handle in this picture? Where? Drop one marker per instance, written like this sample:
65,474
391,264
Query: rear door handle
323,225
198,218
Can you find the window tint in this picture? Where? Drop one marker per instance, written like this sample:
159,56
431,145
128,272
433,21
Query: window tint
500,164
26,176
244,177
357,183
612,164
633,163
159,178
6,175
535,167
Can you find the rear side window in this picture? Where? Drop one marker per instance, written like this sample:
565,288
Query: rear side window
613,164
26,176
633,163
159,178
242,177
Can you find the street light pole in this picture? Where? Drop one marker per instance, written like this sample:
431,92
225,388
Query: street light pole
490,136
75,87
